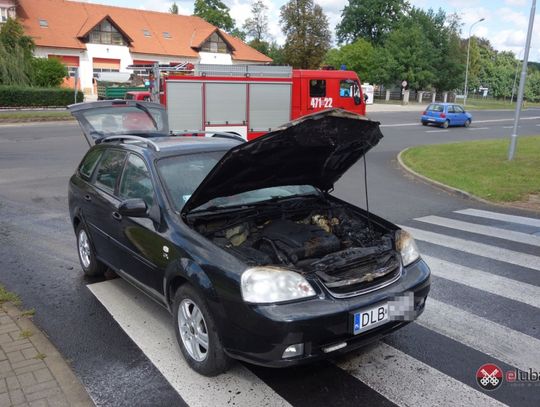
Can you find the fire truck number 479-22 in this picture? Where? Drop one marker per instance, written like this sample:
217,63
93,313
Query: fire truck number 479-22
317,103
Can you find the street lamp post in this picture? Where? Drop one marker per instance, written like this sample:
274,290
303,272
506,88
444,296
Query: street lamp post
521,89
465,90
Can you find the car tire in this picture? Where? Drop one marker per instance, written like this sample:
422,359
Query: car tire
445,124
467,123
194,327
90,265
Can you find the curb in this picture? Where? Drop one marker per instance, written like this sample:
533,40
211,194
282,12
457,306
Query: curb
457,191
35,120
72,388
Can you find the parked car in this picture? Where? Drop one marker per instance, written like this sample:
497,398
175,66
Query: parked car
242,242
445,115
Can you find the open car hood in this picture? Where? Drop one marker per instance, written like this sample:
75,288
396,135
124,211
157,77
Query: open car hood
102,119
313,150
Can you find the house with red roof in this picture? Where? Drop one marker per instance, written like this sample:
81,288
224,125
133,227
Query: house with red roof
94,38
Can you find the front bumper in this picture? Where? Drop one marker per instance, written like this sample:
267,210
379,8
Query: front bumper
260,333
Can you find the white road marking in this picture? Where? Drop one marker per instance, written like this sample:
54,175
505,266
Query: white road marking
479,249
482,230
407,381
437,131
477,128
522,220
474,121
512,347
400,124
150,327
481,280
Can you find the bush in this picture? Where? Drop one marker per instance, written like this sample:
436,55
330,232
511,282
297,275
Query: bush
18,96
48,72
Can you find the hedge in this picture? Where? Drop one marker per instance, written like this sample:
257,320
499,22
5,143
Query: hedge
19,96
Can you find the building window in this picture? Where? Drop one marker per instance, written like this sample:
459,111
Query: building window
106,33
97,71
166,34
215,44
43,23
4,15
147,33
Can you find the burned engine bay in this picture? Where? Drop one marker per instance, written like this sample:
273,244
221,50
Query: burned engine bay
340,245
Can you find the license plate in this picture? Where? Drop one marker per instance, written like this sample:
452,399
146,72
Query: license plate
370,318
431,120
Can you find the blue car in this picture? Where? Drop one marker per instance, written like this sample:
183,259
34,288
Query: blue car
446,114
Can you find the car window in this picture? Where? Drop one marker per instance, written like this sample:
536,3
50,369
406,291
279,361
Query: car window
109,169
136,181
436,108
346,88
317,88
458,109
451,109
89,163
182,174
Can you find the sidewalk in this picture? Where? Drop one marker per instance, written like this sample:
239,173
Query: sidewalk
390,107
32,372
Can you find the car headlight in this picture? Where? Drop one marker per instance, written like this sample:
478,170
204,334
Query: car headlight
407,247
264,285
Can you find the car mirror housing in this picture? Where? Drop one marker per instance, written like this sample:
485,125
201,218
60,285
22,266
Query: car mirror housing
134,207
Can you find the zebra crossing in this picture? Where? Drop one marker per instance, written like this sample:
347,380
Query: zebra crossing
483,308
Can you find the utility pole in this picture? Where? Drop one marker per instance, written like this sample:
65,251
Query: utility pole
521,89
465,90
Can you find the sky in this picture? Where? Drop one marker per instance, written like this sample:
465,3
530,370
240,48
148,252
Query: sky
505,22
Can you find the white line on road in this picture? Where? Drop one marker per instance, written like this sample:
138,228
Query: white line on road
407,381
479,249
474,121
512,347
481,280
482,230
522,220
150,327
477,128
437,131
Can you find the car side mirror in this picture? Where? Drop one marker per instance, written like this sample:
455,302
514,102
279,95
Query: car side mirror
135,208
357,100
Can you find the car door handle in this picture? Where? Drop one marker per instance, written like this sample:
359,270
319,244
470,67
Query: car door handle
116,216
87,198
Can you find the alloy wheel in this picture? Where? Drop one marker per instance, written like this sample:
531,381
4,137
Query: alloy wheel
84,249
193,330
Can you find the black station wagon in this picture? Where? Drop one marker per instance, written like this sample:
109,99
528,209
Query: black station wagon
243,242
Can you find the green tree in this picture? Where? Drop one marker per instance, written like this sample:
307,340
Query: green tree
369,19
256,26
174,8
532,86
238,33
262,46
307,34
358,56
275,51
215,12
15,54
48,72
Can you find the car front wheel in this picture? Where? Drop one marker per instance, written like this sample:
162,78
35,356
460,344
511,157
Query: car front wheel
467,122
90,264
197,334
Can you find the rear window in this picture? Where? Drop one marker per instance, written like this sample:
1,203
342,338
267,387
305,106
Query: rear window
435,108
89,163
317,88
109,169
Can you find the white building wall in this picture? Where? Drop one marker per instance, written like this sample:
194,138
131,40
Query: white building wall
215,58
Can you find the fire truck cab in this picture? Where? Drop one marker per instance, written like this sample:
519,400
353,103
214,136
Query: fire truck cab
251,100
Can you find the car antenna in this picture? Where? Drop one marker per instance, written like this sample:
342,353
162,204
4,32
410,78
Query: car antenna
367,198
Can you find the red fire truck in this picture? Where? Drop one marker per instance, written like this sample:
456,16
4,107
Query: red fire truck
250,100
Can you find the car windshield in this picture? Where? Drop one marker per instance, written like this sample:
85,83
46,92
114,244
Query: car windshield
182,174
436,108
121,119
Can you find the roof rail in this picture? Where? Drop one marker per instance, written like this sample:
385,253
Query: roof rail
222,134
136,138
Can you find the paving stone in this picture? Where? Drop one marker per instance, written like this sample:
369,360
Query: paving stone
43,375
27,379
13,383
6,319
39,403
3,385
5,367
40,387
22,405
17,345
49,393
29,368
4,329
15,356
29,353
58,401
2,355
5,338
30,362
4,399
17,396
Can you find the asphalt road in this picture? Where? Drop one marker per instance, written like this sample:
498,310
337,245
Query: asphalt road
483,306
